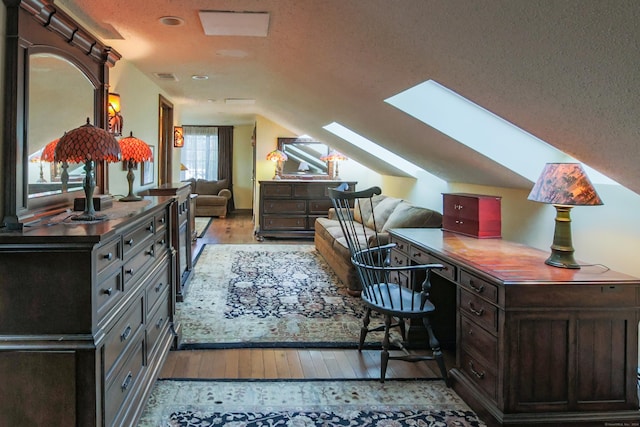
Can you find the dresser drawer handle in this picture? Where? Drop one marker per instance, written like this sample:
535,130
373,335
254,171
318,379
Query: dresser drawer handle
478,289
108,256
478,375
161,242
160,322
129,271
459,222
159,286
125,334
398,261
130,242
127,381
150,251
108,291
417,255
474,311
150,228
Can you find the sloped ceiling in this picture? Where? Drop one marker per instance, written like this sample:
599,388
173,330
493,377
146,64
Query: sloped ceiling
565,71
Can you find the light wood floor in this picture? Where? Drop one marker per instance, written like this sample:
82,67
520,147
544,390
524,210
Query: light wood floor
279,363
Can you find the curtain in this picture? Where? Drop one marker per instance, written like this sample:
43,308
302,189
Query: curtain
225,159
200,152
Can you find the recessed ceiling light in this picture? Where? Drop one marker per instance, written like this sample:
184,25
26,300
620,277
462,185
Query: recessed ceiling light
171,21
199,77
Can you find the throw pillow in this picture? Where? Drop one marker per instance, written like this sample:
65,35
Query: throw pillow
381,212
366,208
406,215
204,186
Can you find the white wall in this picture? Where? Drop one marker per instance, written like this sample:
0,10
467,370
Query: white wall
242,166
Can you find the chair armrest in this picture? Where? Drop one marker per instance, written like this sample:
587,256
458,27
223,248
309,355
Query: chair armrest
226,193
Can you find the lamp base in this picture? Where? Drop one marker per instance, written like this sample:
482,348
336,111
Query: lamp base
562,247
562,259
130,198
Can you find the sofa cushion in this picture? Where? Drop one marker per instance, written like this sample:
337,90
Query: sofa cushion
362,214
204,186
381,212
406,215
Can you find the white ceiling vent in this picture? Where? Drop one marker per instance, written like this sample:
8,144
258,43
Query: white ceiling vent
217,23
166,76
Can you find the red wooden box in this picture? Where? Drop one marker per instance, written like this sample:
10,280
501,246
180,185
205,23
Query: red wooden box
474,215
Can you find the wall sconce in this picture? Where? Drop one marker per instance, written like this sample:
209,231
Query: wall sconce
178,137
564,185
277,157
334,157
115,118
88,144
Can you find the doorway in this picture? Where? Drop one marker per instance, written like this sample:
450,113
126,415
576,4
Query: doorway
165,145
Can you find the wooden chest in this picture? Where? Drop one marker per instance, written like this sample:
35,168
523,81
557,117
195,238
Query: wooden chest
474,215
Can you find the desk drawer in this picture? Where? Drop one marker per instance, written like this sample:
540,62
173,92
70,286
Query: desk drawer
401,246
421,257
479,374
479,311
478,342
399,259
479,287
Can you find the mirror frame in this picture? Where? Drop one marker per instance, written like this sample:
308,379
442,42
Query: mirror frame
284,141
35,26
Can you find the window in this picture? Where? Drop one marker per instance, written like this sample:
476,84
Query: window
199,156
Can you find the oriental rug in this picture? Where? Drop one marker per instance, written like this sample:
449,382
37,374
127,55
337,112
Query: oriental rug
305,403
202,224
261,295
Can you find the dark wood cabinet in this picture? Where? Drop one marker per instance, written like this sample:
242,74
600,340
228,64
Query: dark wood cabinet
289,208
182,216
86,316
475,215
535,344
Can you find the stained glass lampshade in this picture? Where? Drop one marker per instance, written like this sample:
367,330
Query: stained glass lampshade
134,151
564,185
334,157
277,157
88,144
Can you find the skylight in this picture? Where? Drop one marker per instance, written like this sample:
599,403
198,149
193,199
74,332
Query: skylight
481,130
373,148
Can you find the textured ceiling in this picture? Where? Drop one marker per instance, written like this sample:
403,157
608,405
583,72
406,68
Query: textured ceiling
565,71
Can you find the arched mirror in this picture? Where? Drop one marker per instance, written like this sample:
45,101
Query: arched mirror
60,98
56,75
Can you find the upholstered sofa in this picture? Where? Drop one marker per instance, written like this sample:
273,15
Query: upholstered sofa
389,213
213,197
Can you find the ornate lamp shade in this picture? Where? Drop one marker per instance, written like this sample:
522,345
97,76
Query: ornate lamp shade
48,154
88,144
564,185
134,151
334,157
277,157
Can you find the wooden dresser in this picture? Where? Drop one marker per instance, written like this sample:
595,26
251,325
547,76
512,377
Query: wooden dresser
86,316
289,208
535,344
182,217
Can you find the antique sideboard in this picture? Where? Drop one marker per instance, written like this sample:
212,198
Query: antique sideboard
535,344
86,315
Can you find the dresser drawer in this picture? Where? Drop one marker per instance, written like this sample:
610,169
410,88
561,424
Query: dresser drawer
136,267
157,287
478,286
284,223
276,190
484,378
137,237
401,246
474,215
160,221
478,342
108,256
122,334
284,206
479,311
157,322
320,206
309,191
399,259
108,292
122,384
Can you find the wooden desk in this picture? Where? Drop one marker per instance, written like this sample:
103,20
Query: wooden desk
534,343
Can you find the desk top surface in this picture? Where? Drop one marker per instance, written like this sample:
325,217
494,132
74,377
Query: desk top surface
506,261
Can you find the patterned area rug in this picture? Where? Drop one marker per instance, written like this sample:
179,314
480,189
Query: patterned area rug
305,403
202,223
268,295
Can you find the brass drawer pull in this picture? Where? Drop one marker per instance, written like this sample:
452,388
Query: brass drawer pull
129,271
130,242
474,311
478,375
159,286
125,334
108,256
478,289
150,228
108,291
127,381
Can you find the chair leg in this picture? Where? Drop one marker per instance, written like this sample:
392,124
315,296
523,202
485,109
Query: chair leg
403,329
437,353
384,355
364,329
